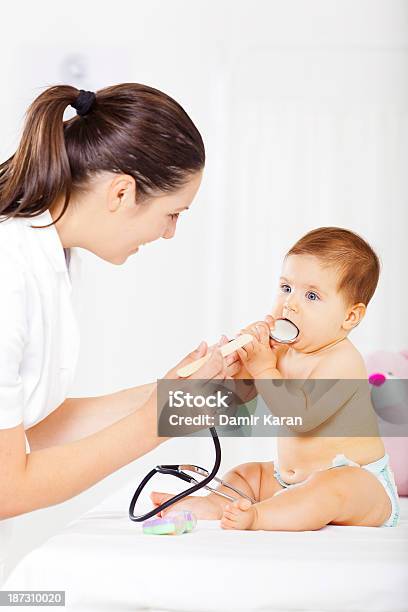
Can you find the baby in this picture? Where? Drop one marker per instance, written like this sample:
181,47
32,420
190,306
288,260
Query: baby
320,477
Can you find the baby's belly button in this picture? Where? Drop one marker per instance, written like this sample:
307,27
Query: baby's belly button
294,475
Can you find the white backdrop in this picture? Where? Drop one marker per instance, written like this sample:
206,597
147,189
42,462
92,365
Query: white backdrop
303,109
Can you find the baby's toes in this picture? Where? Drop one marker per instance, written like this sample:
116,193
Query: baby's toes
233,509
159,498
230,515
227,522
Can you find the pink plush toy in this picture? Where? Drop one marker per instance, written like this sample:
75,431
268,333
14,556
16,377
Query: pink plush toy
390,401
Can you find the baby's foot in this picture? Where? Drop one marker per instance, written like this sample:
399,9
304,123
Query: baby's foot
203,507
240,514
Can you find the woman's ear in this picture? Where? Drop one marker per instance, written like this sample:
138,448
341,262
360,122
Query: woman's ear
122,192
355,314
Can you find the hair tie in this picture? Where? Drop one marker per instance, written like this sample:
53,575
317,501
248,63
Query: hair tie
84,102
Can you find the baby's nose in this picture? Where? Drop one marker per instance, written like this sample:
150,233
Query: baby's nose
291,305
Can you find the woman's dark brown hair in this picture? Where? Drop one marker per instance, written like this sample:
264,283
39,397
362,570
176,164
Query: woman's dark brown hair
130,128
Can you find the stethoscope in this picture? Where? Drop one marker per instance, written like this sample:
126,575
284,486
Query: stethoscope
284,332
179,471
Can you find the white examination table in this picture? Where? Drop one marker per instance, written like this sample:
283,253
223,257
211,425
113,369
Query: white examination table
104,562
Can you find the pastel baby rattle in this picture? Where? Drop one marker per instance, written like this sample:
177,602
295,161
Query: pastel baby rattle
174,523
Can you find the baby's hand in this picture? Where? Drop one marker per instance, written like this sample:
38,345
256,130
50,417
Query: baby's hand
258,355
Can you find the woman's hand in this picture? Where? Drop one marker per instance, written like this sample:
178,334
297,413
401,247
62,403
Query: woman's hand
232,363
215,367
205,382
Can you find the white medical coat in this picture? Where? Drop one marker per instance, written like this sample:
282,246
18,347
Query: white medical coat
39,337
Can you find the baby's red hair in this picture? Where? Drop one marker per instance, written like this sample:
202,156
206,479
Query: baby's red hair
357,264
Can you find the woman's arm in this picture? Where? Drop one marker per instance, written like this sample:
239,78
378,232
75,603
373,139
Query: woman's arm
79,417
52,475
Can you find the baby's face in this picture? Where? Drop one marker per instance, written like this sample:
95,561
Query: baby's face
307,295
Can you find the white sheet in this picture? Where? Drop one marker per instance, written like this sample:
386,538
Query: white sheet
104,562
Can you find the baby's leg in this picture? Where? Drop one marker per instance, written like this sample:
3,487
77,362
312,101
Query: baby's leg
248,477
342,496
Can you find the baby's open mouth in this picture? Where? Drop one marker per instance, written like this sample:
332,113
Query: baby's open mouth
290,320
285,331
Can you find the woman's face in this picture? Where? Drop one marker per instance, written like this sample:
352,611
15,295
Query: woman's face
118,225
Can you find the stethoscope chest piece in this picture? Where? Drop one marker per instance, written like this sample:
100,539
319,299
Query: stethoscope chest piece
284,331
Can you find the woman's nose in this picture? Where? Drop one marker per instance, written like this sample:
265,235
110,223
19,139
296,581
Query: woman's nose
170,230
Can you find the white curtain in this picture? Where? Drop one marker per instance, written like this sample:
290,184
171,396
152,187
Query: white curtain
297,139
312,138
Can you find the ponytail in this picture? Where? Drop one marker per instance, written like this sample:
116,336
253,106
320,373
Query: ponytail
39,171
127,128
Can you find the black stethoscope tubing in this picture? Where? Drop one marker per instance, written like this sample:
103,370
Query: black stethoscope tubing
174,471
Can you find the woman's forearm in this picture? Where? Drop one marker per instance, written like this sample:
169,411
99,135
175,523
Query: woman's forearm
77,418
55,474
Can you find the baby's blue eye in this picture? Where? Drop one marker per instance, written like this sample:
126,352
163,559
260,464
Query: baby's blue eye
283,288
312,293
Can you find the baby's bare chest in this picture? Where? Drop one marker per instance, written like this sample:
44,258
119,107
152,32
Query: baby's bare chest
297,367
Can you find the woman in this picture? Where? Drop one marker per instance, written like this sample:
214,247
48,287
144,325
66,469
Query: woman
113,177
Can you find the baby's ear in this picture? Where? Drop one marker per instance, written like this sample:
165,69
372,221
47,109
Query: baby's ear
355,315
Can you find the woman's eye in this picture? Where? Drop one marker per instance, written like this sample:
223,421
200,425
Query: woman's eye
312,296
283,287
174,216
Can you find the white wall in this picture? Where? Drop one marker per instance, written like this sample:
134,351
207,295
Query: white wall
303,108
